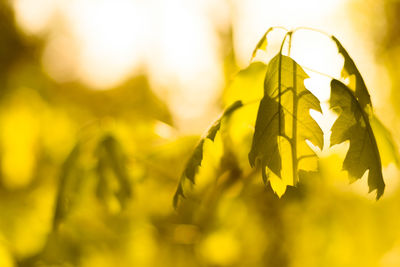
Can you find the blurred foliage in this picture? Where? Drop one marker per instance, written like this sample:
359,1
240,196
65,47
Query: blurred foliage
87,179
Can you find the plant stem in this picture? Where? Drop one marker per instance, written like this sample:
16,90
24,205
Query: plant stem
290,43
293,140
313,30
319,73
280,27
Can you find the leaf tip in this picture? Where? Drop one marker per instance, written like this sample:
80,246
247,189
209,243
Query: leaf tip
177,195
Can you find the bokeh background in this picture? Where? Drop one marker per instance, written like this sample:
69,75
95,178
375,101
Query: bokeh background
103,101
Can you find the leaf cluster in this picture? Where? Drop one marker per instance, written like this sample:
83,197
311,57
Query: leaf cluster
286,137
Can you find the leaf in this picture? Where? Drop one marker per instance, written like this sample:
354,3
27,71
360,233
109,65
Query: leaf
66,193
194,162
265,139
217,125
386,145
353,125
284,122
112,158
247,84
349,68
262,43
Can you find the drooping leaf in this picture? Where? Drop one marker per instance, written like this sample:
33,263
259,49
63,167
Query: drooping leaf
353,124
284,117
194,162
386,144
66,186
262,43
350,68
217,125
111,159
265,140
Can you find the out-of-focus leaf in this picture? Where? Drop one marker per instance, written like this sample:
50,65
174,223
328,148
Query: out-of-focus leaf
217,125
133,100
349,68
195,160
386,144
284,116
262,44
65,188
247,85
353,125
13,47
111,157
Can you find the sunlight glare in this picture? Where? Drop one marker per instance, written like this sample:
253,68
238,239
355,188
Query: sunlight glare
59,58
178,45
33,19
110,35
185,59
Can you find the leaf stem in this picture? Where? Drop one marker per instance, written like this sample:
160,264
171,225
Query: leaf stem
306,156
251,102
279,27
290,42
264,39
318,72
290,140
280,83
294,125
313,30
288,34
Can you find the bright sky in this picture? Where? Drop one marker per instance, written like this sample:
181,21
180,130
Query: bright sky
103,42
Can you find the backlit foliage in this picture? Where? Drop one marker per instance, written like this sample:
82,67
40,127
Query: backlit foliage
284,127
90,178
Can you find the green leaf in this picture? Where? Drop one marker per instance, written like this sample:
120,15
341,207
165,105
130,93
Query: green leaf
349,68
353,125
262,44
194,162
284,117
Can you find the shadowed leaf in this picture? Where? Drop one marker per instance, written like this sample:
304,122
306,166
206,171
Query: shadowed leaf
265,140
387,146
284,115
349,68
353,125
